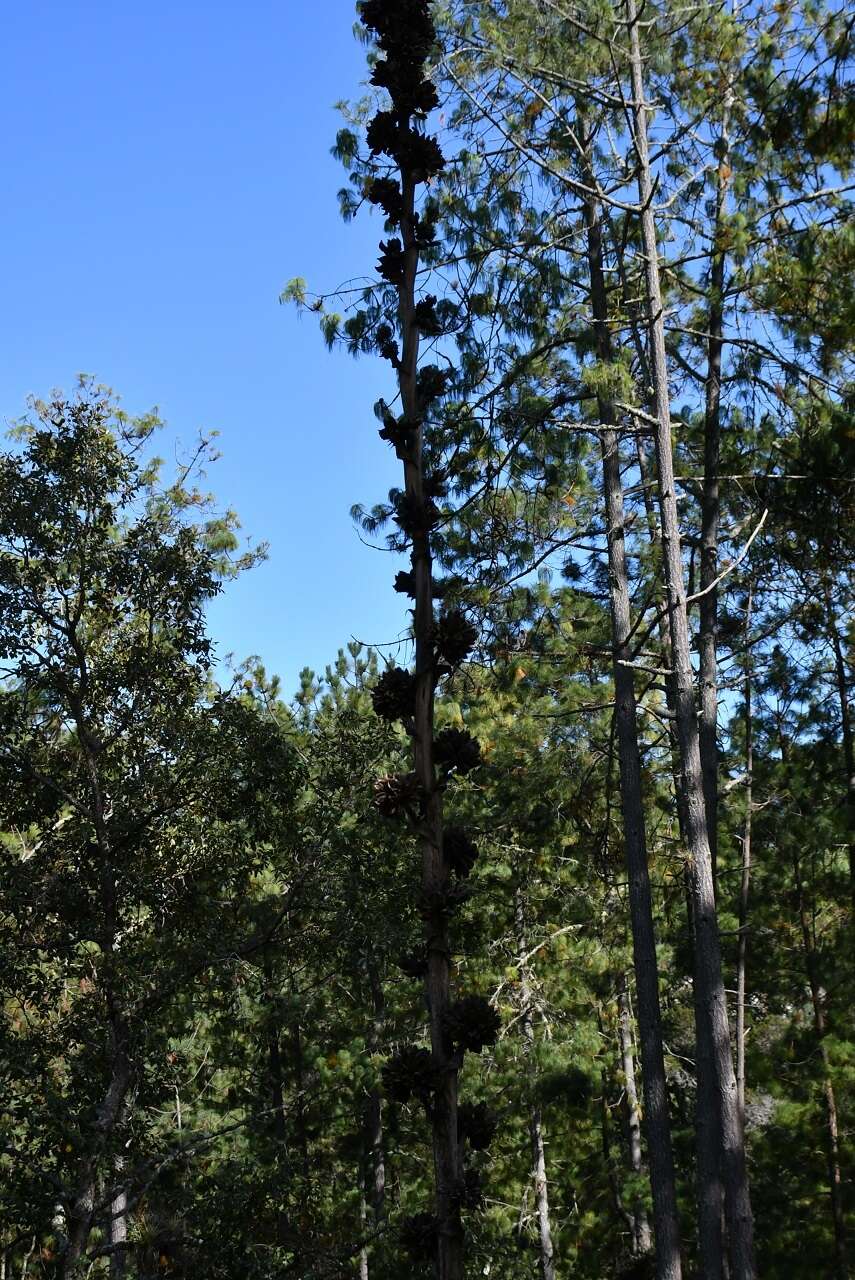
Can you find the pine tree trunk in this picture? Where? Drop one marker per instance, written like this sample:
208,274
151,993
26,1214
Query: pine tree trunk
274,1060
710,991
817,992
848,741
112,1108
710,1193
118,1230
538,1148
375,1101
373,1182
662,1178
707,639
642,1241
745,881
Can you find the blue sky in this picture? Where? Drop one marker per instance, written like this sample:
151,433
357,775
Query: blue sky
166,169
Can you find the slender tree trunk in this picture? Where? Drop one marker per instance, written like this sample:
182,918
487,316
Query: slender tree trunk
538,1147
712,1004
298,1064
745,881
848,739
118,1229
375,1101
363,1222
620,1208
642,1240
662,1178
817,993
374,1164
709,1190
707,638
274,1059
112,1109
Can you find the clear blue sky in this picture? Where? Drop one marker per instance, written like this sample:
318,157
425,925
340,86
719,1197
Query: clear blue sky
166,169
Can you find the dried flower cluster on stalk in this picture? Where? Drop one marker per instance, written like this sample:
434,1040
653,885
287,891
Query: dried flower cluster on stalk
405,37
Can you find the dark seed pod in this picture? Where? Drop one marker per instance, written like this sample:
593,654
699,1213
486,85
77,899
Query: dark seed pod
386,193
394,695
442,901
390,264
455,637
469,1191
406,23
400,432
476,1124
409,1073
383,133
435,485
405,584
432,383
424,232
419,1235
457,749
460,851
397,794
414,964
426,317
415,518
471,1023
411,96
419,154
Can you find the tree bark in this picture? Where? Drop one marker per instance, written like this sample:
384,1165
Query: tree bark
848,739
118,1228
745,880
110,1112
662,1178
538,1147
707,638
642,1241
712,1005
817,993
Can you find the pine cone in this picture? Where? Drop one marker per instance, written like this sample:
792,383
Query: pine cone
397,794
471,1023
476,1124
456,636
394,695
460,851
457,749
